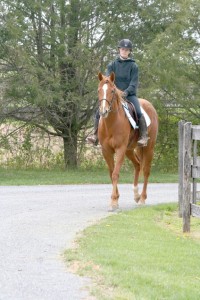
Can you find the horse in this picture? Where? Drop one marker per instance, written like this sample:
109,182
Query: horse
118,139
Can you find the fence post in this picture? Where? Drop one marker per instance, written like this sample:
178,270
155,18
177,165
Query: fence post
194,182
187,132
180,167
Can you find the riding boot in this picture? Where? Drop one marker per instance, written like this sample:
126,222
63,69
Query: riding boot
94,138
143,138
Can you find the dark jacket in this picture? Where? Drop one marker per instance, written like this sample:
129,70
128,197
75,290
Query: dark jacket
126,74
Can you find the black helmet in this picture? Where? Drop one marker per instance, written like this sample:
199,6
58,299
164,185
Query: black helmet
125,43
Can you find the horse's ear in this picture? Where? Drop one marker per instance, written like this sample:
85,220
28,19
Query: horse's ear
100,76
112,76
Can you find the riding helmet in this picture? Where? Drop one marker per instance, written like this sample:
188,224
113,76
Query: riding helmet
125,43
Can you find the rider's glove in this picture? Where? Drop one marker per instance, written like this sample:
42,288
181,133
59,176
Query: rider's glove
125,94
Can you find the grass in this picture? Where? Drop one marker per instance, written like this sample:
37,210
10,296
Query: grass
141,254
91,175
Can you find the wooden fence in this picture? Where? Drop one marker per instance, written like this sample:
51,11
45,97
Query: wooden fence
189,172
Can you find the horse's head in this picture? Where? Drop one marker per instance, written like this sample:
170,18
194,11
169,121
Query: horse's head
106,94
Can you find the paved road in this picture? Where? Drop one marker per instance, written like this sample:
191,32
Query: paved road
38,223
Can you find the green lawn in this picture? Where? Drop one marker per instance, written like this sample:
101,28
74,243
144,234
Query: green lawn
80,176
140,254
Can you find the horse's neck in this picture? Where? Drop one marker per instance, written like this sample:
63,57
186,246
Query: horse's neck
114,116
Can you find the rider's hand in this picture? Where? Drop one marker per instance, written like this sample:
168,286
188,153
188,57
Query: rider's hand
125,94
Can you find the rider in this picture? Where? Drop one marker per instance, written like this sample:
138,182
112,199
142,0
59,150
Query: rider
126,79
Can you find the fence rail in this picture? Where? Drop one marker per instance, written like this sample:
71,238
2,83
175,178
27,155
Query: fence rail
189,172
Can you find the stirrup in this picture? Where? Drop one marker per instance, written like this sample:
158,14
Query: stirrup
92,140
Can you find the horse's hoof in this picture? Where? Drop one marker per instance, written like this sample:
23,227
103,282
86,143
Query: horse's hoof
141,202
113,209
137,200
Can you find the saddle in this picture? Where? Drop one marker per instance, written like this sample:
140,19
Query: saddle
131,113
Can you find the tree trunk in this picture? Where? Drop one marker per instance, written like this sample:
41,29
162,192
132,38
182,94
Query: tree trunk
70,151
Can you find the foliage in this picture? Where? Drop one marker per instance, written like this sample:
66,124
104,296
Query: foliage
170,72
51,51
28,147
47,68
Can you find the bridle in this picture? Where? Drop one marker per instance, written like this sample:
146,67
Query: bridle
110,103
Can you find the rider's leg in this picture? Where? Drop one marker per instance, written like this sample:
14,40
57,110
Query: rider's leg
143,138
94,138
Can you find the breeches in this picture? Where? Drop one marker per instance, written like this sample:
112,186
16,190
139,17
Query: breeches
133,99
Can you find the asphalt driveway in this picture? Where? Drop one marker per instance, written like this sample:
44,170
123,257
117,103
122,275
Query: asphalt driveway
39,222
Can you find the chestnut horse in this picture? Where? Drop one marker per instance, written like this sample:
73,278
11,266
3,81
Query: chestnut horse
117,136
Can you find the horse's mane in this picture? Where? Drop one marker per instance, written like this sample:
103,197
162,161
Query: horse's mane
119,93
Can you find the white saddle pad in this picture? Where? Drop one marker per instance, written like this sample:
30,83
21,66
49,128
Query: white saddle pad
146,116
131,120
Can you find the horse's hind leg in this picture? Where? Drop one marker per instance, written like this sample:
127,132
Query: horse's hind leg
131,155
109,157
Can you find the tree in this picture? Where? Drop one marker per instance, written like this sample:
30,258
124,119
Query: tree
51,51
173,56
171,71
48,67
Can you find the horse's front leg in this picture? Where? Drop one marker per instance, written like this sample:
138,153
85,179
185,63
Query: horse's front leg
109,158
120,154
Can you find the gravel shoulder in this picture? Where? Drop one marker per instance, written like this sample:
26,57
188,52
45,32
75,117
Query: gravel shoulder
39,222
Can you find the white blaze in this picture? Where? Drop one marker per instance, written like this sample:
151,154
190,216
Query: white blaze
105,87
